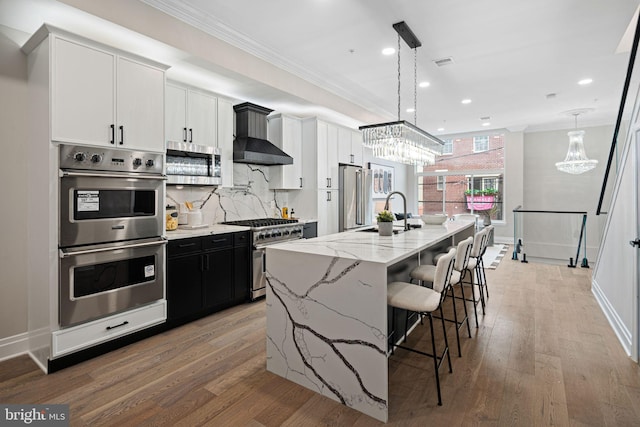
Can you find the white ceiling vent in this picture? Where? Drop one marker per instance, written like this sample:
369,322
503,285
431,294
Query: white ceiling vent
443,61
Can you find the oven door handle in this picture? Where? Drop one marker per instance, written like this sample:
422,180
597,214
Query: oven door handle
65,173
65,253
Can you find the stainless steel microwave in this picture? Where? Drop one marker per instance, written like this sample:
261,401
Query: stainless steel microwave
192,164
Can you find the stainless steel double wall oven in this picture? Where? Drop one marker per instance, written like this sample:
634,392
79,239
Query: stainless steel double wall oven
111,217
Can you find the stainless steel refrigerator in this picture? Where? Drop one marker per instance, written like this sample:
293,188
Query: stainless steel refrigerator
355,201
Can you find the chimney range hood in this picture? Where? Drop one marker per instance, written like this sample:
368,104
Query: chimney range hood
251,145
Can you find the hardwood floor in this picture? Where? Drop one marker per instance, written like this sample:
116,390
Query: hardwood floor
543,355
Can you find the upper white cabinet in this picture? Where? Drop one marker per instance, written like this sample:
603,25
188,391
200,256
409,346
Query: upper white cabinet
191,115
286,133
225,140
103,97
349,146
327,151
357,147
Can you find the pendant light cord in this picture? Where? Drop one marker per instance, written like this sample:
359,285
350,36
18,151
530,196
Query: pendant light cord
415,86
398,77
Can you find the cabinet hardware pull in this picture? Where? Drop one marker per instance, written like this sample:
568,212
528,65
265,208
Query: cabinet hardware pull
186,245
329,182
121,135
184,134
126,322
300,182
219,240
117,227
328,196
113,134
190,135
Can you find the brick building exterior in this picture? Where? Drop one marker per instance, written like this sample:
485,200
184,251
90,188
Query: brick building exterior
464,154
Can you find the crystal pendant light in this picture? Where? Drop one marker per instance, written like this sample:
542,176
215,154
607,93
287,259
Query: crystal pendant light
401,141
576,161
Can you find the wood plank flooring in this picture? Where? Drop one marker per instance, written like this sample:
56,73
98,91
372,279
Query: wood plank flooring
543,355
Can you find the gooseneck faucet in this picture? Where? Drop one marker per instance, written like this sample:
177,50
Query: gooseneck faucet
404,205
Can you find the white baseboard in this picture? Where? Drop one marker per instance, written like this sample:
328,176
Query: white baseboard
14,346
623,333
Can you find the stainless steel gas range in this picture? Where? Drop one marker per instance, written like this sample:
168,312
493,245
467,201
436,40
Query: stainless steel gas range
266,232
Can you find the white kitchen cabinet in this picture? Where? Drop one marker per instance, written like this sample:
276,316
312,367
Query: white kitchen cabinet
102,97
176,113
286,133
357,147
225,140
349,146
327,150
69,340
139,105
327,212
191,115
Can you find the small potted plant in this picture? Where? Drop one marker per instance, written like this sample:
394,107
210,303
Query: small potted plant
385,223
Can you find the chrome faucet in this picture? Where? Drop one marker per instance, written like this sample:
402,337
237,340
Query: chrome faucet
404,204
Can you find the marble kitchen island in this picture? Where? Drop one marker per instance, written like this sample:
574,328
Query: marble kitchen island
327,314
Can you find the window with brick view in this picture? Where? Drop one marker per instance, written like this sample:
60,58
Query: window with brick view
482,154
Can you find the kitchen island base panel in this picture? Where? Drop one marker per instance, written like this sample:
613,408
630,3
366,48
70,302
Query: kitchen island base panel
328,321
334,346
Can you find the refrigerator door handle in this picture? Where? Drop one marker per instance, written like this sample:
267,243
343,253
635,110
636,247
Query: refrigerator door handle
359,198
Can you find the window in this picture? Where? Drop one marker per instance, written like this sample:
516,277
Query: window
480,143
447,148
484,183
444,186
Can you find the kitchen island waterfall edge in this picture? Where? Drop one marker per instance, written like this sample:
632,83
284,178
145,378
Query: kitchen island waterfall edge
327,314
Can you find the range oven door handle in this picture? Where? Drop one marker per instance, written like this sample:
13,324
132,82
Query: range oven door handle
65,253
65,173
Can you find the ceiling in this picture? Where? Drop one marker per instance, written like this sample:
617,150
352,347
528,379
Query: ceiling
323,57
508,57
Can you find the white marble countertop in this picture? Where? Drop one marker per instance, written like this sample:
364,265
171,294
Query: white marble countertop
204,231
369,246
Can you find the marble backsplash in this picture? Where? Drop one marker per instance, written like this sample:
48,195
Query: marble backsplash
250,196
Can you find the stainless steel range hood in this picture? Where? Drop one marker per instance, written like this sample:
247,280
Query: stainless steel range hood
251,145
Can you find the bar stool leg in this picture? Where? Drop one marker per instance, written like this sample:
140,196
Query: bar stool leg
464,304
435,358
446,341
455,318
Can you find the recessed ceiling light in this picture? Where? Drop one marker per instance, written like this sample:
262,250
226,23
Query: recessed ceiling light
440,129
486,124
466,101
585,82
424,84
410,110
388,51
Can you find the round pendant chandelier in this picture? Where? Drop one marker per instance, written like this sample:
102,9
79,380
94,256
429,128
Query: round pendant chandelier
576,160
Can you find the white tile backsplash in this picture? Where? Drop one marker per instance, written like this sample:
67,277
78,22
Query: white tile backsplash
250,197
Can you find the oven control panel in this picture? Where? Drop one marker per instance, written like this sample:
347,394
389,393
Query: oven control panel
111,160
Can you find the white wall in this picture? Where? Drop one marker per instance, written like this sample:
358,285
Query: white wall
513,184
13,175
546,188
614,278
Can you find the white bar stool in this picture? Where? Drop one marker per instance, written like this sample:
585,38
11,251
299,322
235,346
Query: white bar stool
426,273
425,301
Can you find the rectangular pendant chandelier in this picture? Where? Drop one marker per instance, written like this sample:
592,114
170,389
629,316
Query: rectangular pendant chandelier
401,142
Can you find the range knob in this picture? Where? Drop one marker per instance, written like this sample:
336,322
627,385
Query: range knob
96,158
79,156
149,163
137,162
